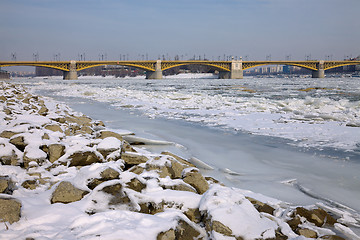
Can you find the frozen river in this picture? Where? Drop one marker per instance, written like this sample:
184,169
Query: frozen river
295,139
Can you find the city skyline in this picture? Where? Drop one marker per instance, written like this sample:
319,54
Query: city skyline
256,30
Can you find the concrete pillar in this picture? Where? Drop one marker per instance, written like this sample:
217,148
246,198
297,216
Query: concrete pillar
72,74
158,72
236,71
320,73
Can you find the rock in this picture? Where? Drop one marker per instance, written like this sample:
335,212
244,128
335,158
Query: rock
126,147
4,184
261,207
119,196
83,158
136,185
55,152
34,159
81,120
18,142
294,223
29,184
136,169
151,207
176,169
54,128
185,231
106,134
133,158
307,233
67,193
317,216
109,145
43,111
109,174
221,228
163,171
45,136
193,214
181,187
181,160
332,237
12,159
168,235
7,134
106,175
2,99
10,210
195,179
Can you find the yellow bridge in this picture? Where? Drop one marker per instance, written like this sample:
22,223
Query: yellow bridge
227,69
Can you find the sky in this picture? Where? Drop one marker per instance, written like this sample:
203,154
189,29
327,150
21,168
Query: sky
253,29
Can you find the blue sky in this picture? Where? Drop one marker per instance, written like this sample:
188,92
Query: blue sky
253,28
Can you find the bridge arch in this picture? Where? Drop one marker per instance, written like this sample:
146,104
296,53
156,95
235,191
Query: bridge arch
220,65
63,66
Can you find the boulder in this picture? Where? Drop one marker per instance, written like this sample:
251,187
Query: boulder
332,237
181,160
4,184
261,207
54,128
294,223
83,158
109,174
33,158
195,179
136,185
43,111
7,134
55,152
307,233
106,134
176,169
181,187
168,235
67,193
106,175
29,184
317,216
136,169
118,194
133,158
11,159
151,207
193,214
18,142
185,231
10,210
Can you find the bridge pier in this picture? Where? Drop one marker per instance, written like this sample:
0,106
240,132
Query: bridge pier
236,71
157,74
320,73
72,73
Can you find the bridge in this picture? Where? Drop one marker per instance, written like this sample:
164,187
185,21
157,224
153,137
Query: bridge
154,68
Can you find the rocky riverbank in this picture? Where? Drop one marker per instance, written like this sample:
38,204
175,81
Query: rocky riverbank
65,176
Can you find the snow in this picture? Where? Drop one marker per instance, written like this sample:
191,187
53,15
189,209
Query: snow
42,220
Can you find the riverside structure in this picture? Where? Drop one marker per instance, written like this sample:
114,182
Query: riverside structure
154,68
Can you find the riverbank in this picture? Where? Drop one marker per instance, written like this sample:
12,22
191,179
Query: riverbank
69,177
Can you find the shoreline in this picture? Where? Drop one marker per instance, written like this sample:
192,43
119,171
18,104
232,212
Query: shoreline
118,178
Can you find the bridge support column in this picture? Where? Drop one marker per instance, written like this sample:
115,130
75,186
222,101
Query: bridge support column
158,72
72,74
320,73
236,71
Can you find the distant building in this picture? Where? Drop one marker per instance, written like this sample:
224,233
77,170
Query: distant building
4,75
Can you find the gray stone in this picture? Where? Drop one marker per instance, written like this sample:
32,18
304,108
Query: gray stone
67,193
83,158
105,134
181,160
55,152
109,174
168,235
185,231
7,134
133,158
54,128
307,233
195,179
29,184
43,111
193,214
4,184
118,195
10,210
136,185
18,142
